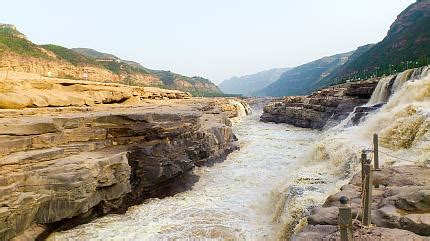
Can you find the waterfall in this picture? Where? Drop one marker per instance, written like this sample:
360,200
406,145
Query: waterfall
389,85
403,126
400,80
242,108
382,91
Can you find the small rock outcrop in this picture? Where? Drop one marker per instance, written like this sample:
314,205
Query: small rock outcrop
400,208
314,111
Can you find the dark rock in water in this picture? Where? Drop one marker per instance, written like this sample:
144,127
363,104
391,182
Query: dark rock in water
314,111
362,111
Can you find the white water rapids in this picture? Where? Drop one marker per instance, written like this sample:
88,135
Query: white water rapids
261,191
241,198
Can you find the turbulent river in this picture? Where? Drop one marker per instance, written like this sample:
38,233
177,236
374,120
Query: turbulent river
264,190
245,197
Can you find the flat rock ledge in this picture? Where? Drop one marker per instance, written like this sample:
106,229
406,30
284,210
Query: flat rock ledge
400,208
50,92
326,107
94,148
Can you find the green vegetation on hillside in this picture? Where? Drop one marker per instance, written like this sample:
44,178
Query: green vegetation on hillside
94,54
7,29
10,41
70,55
407,45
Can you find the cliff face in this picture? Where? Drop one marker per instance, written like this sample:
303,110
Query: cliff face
62,165
316,110
406,43
19,54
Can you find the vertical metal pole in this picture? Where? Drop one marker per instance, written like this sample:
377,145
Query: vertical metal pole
363,162
376,151
345,220
367,206
375,154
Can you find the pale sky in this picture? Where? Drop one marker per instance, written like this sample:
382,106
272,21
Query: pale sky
216,39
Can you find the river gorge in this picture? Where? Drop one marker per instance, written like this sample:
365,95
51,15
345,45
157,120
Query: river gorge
102,161
282,174
241,198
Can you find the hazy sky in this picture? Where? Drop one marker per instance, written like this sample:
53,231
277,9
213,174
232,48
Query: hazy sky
216,39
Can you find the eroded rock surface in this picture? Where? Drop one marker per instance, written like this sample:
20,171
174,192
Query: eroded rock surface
314,111
69,163
400,208
48,92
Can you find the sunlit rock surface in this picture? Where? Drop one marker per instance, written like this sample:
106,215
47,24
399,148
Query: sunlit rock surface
401,202
89,150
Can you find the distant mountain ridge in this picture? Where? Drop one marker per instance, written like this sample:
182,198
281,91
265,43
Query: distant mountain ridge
300,80
17,53
248,85
406,45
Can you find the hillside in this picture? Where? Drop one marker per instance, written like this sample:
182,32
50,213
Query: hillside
20,54
248,85
196,85
406,45
301,80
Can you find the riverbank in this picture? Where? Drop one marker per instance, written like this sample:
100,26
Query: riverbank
72,151
236,199
398,111
400,208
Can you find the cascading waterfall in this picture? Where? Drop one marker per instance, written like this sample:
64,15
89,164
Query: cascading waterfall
393,83
243,109
382,91
403,125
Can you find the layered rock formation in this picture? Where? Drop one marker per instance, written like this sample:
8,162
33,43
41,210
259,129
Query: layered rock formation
98,152
316,110
21,90
400,208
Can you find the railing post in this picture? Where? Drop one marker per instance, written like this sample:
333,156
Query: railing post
363,162
367,191
375,154
375,151
345,220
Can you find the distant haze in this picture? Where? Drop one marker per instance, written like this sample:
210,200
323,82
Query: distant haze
214,39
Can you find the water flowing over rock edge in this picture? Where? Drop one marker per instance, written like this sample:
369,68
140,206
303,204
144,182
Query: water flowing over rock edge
403,133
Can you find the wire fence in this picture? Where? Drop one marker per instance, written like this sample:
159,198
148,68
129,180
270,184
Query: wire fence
367,184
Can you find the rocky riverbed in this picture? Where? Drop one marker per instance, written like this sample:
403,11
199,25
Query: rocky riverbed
400,208
398,111
74,150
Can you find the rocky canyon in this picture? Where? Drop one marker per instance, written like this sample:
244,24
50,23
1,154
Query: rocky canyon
74,150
